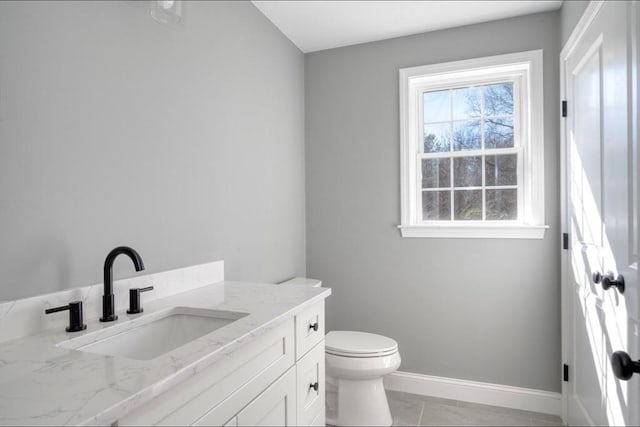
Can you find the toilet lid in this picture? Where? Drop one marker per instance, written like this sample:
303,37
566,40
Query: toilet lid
359,344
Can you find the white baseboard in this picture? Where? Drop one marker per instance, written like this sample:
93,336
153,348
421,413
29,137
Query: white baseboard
471,391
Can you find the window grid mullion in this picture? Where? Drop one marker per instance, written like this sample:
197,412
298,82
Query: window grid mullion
484,192
468,153
490,187
483,146
471,119
451,189
451,173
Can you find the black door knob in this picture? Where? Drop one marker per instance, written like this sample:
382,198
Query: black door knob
623,366
609,280
314,386
596,276
314,326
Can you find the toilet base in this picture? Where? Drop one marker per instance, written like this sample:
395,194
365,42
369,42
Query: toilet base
357,402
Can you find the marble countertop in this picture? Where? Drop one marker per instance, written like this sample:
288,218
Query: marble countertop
41,384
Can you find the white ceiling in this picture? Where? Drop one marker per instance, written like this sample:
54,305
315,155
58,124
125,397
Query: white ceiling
317,25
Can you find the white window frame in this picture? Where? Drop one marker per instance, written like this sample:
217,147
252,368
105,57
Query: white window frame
524,68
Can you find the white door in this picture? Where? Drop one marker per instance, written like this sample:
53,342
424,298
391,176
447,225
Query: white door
601,209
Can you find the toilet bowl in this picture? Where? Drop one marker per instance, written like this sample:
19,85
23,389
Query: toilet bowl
355,363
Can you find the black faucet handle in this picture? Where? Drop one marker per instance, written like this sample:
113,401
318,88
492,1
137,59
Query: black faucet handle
134,299
75,315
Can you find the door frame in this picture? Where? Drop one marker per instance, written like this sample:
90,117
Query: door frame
585,21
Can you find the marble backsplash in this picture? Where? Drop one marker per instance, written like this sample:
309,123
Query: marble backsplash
26,316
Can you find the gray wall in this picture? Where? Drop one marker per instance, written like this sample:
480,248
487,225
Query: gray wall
484,310
570,14
187,144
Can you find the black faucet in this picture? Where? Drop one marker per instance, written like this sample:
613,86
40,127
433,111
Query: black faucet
108,302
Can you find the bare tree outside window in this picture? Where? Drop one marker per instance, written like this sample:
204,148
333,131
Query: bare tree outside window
479,185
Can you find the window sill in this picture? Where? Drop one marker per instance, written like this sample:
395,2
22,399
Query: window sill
484,231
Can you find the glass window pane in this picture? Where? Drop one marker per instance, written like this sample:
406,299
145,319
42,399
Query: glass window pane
437,106
467,205
498,133
501,170
467,171
502,205
466,103
498,99
467,135
436,173
436,205
437,137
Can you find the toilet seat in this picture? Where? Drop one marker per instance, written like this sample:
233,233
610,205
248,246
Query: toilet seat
359,344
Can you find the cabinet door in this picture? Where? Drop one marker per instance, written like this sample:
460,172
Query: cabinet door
310,379
276,406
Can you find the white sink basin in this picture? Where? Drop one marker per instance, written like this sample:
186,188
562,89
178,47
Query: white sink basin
153,335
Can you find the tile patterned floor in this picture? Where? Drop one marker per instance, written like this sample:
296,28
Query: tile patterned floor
414,410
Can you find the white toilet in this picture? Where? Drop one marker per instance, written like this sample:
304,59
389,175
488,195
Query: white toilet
355,363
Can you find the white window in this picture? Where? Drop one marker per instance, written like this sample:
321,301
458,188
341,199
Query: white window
472,148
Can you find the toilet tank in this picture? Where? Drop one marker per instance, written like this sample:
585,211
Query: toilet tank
303,281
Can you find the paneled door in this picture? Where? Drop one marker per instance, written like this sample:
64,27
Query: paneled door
600,283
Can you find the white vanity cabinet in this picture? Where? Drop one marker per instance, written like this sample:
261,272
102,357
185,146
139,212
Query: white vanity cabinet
276,378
